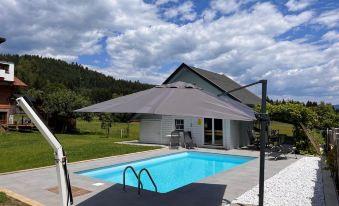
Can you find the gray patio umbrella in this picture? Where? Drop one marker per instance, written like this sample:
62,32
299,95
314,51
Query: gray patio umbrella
178,98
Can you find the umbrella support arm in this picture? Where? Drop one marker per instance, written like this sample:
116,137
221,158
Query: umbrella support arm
263,118
60,158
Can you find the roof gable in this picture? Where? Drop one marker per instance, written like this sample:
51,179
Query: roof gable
222,82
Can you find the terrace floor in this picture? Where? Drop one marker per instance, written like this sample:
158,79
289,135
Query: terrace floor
216,190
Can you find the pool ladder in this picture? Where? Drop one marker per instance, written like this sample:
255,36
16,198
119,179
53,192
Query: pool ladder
138,176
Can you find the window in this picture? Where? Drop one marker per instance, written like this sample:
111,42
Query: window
5,67
179,124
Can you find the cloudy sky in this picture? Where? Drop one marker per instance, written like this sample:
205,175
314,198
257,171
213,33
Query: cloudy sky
292,43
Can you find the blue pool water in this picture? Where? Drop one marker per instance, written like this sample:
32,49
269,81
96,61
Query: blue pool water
171,171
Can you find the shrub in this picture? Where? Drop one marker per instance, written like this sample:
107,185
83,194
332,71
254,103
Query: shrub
3,197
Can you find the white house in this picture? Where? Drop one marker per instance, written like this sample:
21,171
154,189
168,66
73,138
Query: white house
206,132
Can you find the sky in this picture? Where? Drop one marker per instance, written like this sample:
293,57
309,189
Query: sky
294,44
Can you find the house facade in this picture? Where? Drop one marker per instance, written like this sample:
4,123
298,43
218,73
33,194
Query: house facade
206,132
8,85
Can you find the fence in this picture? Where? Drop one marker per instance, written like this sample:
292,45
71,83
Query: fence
332,139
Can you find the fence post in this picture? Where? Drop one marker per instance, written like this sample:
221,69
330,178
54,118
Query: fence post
337,155
326,141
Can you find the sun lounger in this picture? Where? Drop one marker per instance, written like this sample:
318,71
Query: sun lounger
280,151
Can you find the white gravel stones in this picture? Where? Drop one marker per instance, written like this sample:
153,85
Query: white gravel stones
298,184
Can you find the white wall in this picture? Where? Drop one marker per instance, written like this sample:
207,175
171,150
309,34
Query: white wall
10,75
197,131
238,134
150,131
190,124
155,128
186,75
227,134
150,125
245,126
167,126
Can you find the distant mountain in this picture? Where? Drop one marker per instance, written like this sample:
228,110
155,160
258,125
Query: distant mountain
40,72
336,107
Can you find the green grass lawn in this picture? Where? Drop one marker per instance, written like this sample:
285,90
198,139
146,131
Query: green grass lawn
6,200
284,128
287,129
29,150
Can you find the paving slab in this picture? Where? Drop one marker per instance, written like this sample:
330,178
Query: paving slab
217,190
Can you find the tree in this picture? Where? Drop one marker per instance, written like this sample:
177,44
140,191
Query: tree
327,116
106,122
59,105
294,113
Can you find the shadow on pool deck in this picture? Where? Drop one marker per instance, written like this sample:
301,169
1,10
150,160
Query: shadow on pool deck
193,194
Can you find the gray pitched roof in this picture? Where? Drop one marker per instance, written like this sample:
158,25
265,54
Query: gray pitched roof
225,84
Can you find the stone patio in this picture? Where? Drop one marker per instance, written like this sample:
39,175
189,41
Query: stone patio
216,190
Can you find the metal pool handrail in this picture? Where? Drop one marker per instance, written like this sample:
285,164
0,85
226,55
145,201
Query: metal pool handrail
124,177
150,177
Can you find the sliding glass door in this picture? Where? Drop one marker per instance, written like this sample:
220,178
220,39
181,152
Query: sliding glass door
208,131
213,132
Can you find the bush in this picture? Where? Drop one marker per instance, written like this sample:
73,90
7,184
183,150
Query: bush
331,160
3,197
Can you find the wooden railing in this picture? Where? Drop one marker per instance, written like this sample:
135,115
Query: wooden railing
311,138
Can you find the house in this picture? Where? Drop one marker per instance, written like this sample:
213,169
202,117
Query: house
8,85
206,132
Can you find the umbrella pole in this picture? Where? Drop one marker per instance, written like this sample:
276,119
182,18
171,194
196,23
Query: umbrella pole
263,130
263,118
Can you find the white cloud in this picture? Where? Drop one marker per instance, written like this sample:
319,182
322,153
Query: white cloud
296,5
225,7
162,2
208,15
331,36
184,11
329,18
244,43
228,44
68,29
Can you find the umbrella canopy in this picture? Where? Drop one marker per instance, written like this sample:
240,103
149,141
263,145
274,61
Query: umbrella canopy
179,98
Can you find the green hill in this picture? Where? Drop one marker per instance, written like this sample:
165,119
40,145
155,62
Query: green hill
40,72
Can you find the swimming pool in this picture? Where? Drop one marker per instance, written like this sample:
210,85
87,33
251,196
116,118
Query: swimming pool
171,171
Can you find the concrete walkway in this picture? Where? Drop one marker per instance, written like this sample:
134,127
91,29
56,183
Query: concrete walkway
217,190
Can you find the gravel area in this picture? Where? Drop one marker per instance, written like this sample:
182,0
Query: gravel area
298,184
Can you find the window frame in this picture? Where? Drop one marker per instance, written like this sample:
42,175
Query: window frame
179,124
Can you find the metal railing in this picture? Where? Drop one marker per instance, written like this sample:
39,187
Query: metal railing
124,177
150,177
138,176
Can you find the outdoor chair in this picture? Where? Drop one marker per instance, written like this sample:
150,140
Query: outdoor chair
280,151
253,141
175,140
273,138
188,140
288,149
